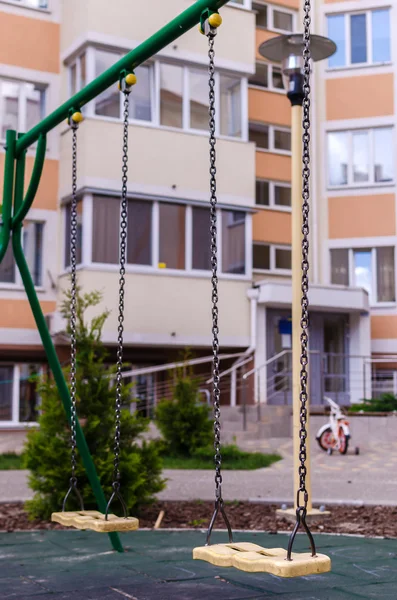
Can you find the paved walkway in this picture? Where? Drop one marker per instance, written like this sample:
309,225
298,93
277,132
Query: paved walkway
60,565
370,478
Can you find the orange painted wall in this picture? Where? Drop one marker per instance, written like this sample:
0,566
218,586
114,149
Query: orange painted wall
18,314
273,166
361,216
269,107
29,43
272,226
262,35
294,4
360,97
47,194
384,327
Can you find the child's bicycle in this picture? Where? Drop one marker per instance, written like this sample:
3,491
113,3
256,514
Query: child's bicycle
335,435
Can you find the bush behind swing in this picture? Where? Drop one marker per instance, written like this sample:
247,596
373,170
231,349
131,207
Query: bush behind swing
47,450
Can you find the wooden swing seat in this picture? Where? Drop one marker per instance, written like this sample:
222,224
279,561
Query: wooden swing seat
94,520
255,559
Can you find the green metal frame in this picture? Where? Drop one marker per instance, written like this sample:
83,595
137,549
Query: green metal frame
16,206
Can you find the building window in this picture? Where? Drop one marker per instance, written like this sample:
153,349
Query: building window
360,156
270,137
269,257
6,392
79,233
233,242
267,76
78,74
171,95
198,99
369,268
33,248
201,256
272,193
172,236
34,3
230,106
19,397
22,105
361,38
274,17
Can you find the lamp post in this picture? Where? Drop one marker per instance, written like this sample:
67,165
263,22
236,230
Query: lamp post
288,49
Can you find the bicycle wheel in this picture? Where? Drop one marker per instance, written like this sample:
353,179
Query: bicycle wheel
343,441
326,440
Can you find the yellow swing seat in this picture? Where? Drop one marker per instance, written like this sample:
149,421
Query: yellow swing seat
252,558
95,520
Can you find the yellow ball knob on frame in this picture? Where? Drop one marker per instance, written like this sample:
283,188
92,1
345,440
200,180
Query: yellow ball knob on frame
77,117
130,79
215,20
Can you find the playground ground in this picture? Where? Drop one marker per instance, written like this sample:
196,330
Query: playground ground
64,565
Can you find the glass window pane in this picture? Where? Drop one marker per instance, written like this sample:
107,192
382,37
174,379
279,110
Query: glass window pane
385,274
340,267
172,236
381,35
171,91
28,395
360,156
198,90
262,193
9,106
363,270
277,78
282,140
230,106
260,135
261,256
261,15
233,241
73,79
37,3
7,266
33,248
358,32
107,104
79,233
336,32
283,258
337,158
383,154
201,239
282,20
83,71
139,236
106,226
6,384
282,195
34,105
261,75
140,99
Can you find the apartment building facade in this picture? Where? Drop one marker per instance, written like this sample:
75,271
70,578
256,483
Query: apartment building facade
168,279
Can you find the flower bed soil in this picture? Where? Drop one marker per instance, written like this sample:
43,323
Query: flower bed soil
367,520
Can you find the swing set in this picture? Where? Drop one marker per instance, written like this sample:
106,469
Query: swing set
243,556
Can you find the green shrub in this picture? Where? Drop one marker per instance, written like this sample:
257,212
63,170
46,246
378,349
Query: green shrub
47,450
184,421
386,403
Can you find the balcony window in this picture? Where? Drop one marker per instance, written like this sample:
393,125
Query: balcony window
270,137
22,105
233,242
198,98
172,236
273,194
270,257
359,157
275,18
361,38
267,76
201,257
171,95
79,233
32,241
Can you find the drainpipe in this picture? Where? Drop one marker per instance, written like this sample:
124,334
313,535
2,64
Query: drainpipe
253,295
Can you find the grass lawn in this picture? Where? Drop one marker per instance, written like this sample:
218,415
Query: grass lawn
232,459
10,461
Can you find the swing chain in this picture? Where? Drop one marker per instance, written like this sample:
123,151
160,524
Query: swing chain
214,267
123,247
73,318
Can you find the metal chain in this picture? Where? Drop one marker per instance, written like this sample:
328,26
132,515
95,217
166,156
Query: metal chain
73,303
123,247
305,255
214,267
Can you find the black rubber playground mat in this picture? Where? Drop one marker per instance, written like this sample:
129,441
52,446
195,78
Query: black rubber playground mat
158,565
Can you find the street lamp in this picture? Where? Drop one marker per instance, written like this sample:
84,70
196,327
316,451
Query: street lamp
288,49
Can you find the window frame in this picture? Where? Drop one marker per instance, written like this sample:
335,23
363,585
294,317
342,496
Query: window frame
272,258
18,284
373,301
270,87
15,398
270,16
24,4
22,100
371,140
155,65
246,4
369,41
154,268
272,195
271,132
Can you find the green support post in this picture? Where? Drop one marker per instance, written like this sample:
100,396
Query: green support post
15,206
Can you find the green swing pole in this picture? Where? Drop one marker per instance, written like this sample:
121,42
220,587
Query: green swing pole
52,357
15,163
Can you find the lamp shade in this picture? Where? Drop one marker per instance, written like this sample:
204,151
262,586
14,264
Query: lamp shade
285,48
